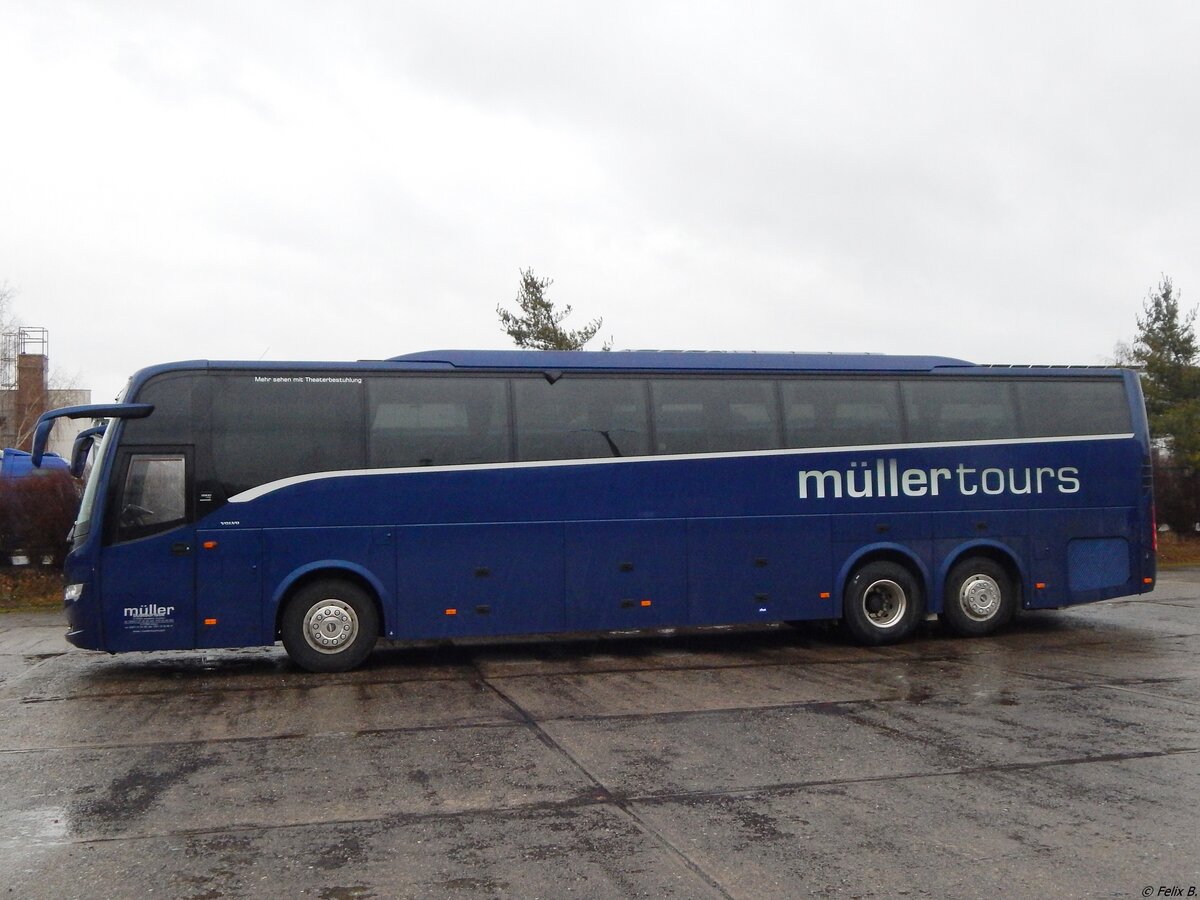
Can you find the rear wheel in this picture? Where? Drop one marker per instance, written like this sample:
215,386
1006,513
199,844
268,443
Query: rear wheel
330,626
882,604
980,597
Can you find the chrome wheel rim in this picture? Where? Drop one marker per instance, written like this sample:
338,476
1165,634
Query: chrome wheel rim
884,603
979,597
330,626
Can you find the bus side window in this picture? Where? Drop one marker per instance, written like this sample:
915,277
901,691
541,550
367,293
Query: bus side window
944,409
580,418
710,415
422,421
1066,407
268,428
154,496
840,412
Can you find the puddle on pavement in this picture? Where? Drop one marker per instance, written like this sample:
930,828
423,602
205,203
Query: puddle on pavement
46,824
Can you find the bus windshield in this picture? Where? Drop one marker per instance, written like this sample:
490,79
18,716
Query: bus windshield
87,504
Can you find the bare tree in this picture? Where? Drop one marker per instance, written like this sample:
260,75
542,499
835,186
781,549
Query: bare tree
22,415
7,320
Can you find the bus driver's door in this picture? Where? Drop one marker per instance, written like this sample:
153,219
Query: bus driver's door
147,569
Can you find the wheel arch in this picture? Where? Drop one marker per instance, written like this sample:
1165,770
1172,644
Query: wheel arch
329,568
999,553
897,553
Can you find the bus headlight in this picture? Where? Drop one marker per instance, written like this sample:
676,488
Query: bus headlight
72,592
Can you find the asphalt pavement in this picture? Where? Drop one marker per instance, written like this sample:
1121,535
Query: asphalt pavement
1059,758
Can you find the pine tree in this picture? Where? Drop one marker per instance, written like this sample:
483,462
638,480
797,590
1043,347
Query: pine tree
538,327
1167,350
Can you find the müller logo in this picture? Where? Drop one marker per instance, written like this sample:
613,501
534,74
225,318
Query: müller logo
149,611
885,478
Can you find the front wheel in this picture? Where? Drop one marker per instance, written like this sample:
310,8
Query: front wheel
330,626
980,597
882,604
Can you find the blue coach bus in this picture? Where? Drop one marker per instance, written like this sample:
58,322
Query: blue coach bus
456,494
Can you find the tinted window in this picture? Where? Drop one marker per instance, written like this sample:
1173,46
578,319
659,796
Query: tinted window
941,409
435,421
153,498
834,412
174,410
703,415
580,418
1060,407
266,427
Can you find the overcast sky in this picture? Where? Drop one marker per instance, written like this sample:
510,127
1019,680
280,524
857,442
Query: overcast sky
1001,182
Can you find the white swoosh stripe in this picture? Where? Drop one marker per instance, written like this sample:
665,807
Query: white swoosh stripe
272,486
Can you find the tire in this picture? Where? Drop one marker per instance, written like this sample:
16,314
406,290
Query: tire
980,597
883,603
330,626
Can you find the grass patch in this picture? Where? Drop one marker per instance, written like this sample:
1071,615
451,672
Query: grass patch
27,588
1175,550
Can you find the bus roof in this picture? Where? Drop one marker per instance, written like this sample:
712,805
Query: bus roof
614,361
692,360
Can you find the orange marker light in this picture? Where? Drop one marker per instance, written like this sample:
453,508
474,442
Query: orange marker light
645,603
452,612
1041,585
210,545
1147,581
210,621
824,595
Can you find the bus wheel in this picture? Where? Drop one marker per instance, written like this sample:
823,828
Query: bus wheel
329,626
882,603
980,597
